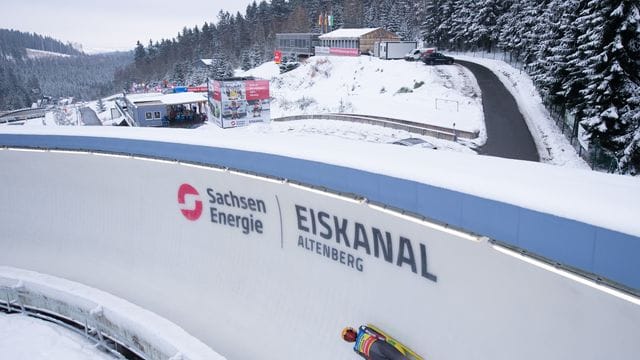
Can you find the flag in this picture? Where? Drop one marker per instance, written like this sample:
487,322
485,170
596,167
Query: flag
331,20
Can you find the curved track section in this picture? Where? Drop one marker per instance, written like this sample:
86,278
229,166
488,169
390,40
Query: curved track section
261,268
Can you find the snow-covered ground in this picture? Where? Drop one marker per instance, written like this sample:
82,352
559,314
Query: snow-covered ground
436,95
26,338
40,54
353,85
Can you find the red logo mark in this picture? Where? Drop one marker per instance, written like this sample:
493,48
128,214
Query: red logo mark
193,211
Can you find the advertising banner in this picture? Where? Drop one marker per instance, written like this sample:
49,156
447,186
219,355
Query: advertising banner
197,89
344,52
240,102
323,51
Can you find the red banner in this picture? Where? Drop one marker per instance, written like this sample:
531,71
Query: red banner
197,89
216,90
344,52
257,89
277,57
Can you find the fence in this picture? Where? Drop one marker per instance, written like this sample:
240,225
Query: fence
593,154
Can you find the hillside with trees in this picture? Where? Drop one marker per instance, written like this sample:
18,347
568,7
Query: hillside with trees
584,55
24,80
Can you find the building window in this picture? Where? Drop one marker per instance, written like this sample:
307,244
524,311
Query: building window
148,116
156,115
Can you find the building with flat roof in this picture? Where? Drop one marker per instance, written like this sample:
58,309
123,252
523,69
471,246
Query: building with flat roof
362,39
168,110
295,45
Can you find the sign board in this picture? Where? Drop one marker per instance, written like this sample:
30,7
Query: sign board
323,50
345,52
277,57
197,89
240,102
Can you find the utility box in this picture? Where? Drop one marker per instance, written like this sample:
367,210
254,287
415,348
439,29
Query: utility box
393,49
239,101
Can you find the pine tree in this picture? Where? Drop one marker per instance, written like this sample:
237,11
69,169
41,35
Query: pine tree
612,67
139,54
484,23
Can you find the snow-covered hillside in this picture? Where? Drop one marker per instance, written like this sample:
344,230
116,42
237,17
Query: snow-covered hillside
436,95
39,54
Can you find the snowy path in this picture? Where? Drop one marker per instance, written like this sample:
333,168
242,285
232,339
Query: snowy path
507,133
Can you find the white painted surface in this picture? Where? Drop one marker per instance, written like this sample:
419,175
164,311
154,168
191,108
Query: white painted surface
117,226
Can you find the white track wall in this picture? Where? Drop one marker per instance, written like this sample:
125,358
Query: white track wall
115,223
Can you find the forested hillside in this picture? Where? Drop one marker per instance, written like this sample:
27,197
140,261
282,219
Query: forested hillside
13,44
24,80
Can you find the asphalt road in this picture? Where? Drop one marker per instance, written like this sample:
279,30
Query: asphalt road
89,117
507,133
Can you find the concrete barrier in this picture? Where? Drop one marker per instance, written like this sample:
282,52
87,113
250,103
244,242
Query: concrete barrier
261,268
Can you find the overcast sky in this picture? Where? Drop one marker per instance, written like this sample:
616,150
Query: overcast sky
112,24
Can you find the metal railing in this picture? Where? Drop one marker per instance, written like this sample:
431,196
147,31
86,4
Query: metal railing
83,317
438,132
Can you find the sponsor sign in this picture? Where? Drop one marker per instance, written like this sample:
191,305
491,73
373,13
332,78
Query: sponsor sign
257,89
197,89
240,102
344,52
225,209
342,239
323,50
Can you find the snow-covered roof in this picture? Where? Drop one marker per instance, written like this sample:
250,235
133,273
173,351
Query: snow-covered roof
207,62
347,33
183,98
167,99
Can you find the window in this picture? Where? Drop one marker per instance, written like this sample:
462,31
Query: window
156,115
148,116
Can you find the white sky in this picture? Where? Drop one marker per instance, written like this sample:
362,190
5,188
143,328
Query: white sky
114,24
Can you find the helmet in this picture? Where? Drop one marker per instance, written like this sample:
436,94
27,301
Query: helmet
349,334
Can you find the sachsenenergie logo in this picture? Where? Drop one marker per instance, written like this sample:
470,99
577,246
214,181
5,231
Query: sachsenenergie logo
193,209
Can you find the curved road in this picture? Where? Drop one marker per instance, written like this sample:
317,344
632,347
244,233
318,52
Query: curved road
507,133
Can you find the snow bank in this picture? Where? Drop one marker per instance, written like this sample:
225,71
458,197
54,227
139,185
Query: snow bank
436,95
116,315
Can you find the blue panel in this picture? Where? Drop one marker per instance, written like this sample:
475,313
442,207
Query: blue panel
397,192
563,240
617,257
439,204
362,183
583,246
491,218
